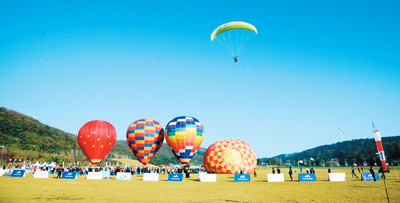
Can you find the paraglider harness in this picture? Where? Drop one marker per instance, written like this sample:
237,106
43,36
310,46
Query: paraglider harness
235,59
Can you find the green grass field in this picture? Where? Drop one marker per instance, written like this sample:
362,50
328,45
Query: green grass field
29,189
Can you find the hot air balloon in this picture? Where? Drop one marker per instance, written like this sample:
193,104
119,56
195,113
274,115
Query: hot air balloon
145,137
229,157
184,135
233,36
96,138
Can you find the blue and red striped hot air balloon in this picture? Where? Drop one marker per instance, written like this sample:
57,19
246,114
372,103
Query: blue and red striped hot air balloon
184,136
145,137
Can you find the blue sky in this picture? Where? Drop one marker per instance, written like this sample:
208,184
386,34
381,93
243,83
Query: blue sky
313,67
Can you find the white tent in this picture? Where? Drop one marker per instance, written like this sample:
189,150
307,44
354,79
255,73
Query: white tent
52,165
36,164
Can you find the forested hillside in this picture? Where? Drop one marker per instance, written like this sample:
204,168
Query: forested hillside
360,151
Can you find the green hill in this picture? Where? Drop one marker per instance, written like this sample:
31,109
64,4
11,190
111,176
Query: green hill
360,151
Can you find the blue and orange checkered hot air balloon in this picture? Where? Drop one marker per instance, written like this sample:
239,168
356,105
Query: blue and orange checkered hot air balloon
145,137
184,136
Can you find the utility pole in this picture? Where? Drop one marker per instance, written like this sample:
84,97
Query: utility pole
2,151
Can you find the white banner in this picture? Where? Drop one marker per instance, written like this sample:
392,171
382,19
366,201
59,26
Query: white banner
200,174
95,176
41,174
337,177
150,177
208,178
2,172
275,178
123,176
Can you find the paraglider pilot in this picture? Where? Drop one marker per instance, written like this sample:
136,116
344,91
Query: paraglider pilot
235,59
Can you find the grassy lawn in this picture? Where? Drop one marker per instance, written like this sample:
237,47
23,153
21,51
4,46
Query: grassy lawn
29,189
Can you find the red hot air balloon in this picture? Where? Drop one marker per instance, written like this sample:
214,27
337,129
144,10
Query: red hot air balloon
96,138
145,137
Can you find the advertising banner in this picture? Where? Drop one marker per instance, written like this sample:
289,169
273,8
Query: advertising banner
105,174
242,177
150,177
337,177
368,176
41,174
307,177
200,174
275,177
94,176
69,175
2,172
208,178
123,176
18,173
175,177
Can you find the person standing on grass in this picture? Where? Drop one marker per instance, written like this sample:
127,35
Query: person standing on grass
59,173
278,170
255,172
372,172
329,169
353,173
290,173
273,171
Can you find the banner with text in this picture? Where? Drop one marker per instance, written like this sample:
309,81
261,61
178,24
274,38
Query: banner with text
18,173
275,177
337,177
105,174
69,175
208,178
242,178
41,174
150,177
175,177
307,177
365,176
95,176
123,176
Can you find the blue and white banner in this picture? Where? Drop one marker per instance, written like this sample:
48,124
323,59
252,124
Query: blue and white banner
307,177
275,177
365,176
175,177
337,177
18,173
242,177
69,175
41,174
150,177
123,176
94,176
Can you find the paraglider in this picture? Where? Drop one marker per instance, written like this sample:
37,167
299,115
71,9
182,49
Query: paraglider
233,36
145,137
184,136
96,138
230,156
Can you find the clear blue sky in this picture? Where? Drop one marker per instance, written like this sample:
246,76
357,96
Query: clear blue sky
313,67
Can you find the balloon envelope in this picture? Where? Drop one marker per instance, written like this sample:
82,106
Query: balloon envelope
96,138
145,137
229,157
184,136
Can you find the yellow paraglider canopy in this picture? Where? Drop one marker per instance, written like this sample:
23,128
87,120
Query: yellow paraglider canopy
232,25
